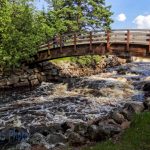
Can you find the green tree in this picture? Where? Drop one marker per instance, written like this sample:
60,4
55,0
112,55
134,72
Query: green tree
77,15
22,29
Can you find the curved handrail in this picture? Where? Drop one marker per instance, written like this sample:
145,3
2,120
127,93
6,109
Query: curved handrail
128,36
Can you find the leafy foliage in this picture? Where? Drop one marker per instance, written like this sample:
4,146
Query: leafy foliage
21,31
23,28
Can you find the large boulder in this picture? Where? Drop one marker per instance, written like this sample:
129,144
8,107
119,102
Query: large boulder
56,138
81,128
75,139
135,107
103,130
93,133
108,130
37,139
13,135
39,142
118,117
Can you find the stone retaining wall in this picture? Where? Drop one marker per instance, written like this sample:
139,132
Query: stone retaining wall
46,71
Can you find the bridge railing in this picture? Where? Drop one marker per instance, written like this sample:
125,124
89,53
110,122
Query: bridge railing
134,36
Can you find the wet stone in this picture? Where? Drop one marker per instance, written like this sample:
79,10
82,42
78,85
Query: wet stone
13,135
55,138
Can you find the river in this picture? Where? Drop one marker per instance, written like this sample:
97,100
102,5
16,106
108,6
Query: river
79,100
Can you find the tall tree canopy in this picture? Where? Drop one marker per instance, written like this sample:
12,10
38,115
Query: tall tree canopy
21,31
23,28
77,15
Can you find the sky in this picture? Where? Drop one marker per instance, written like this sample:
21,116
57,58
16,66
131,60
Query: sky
128,14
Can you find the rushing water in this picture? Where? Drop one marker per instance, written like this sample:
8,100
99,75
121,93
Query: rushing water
79,100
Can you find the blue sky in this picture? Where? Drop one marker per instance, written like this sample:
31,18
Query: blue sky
127,13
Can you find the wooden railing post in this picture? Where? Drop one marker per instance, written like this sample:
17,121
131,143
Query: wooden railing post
91,41
149,42
108,41
49,46
60,41
128,40
75,41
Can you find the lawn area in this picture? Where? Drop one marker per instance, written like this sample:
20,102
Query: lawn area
135,138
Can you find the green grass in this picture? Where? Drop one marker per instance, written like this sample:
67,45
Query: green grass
80,60
135,138
64,59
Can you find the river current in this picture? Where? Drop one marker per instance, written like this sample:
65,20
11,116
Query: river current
79,100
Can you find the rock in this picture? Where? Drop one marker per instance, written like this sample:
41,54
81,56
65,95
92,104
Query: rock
3,82
147,103
60,146
34,82
23,146
36,70
135,107
25,83
40,77
146,87
125,125
37,139
119,118
23,78
127,114
13,135
108,130
93,133
56,138
68,125
39,147
13,79
75,139
32,77
54,72
81,128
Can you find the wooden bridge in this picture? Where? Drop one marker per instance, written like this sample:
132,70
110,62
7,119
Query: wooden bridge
123,43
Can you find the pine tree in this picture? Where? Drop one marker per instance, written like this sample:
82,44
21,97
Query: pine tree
79,15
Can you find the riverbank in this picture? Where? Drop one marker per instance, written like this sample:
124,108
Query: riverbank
27,78
137,137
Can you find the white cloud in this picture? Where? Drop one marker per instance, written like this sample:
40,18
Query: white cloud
142,22
121,17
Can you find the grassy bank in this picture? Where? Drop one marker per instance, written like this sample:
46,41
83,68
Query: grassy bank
80,60
135,138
